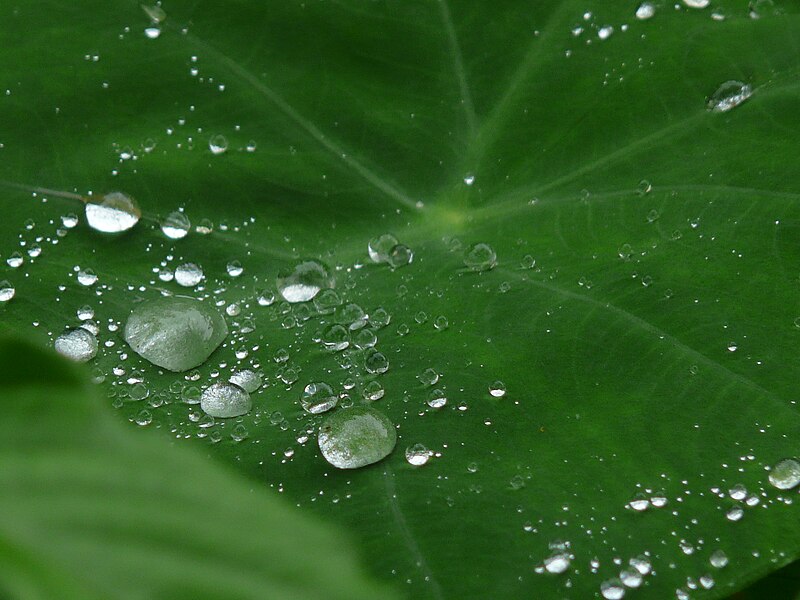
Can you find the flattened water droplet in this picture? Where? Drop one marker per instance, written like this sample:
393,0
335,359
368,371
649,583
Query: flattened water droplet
15,260
176,225
225,400
115,213
356,437
318,398
304,281
246,379
7,291
785,475
480,257
188,274
175,333
375,362
556,563
379,248
79,344
729,95
735,513
418,455
696,3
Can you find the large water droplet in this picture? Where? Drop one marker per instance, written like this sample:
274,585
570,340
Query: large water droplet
175,333
480,257
786,474
115,213
356,437
78,344
729,95
304,281
188,274
176,225
225,400
318,397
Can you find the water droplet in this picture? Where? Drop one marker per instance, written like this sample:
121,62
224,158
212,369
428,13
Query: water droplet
379,318
738,492
732,347
7,291
707,582
77,344
729,95
225,400
428,377
375,362
87,277
318,398
15,260
786,474
469,179
69,221
718,559
556,563
365,338
155,13
176,225
335,337
356,437
379,248
441,323
152,32
640,502
480,257
116,212
645,11
218,144
497,389
234,268
143,417
239,433
350,315
175,333
605,32
326,301
612,589
246,379
400,256
188,274
631,578
304,281
437,399
417,455
696,3
735,513
373,391
641,564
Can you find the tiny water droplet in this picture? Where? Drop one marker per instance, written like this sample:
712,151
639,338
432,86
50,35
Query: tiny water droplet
376,362
373,391
631,578
15,260
400,256
469,179
734,513
115,213
225,400
437,398
428,377
326,301
441,323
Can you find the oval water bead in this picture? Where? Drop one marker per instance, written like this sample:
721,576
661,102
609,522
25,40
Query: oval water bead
116,212
729,95
188,274
304,281
246,379
175,333
418,455
225,400
379,248
79,344
785,475
356,437
176,225
480,257
318,397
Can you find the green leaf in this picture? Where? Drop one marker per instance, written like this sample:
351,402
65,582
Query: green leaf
92,509
649,349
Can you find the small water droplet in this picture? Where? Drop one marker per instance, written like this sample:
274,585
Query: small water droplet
729,95
469,179
376,362
696,3
379,248
631,578
605,32
480,257
318,397
225,400
400,256
246,379
645,11
418,455
437,398
718,559
441,323
77,344
176,225
188,274
15,260
115,213
612,589
234,268
497,389
557,563
355,437
304,281
428,377
7,291
734,513
218,144
373,391
87,277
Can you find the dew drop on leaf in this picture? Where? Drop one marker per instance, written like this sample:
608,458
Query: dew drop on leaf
175,333
234,268
785,475
318,397
696,3
218,144
246,379
225,400
79,344
437,398
645,11
718,559
188,274
373,391
176,225
480,257
356,437
418,455
612,589
115,213
87,277
376,362
497,389
304,281
400,256
15,260
729,95
335,337
7,291
379,248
